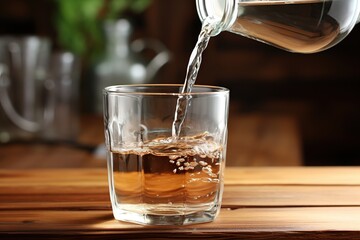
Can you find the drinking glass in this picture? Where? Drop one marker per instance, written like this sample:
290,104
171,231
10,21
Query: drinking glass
157,177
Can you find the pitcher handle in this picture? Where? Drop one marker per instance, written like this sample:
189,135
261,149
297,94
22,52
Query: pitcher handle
162,57
8,107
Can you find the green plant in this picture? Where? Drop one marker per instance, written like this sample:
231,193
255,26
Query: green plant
78,23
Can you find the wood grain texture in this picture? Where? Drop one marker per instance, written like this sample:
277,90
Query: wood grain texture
258,203
263,140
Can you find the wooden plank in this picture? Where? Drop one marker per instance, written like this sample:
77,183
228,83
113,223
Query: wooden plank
62,177
285,196
229,221
244,187
292,175
263,140
56,205
47,155
233,197
259,203
158,234
233,176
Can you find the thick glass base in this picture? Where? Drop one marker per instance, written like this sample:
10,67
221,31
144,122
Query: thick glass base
165,217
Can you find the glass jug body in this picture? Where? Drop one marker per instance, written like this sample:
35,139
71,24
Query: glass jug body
303,26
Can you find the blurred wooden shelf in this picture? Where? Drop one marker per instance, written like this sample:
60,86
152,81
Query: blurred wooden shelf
263,140
254,140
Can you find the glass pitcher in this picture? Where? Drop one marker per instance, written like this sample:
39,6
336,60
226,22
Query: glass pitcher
123,62
38,90
304,26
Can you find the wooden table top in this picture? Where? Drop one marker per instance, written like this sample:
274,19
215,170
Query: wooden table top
258,203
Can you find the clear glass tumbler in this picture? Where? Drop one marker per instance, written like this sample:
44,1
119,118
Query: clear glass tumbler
157,177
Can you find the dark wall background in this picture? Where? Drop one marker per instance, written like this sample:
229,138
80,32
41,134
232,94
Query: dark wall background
322,90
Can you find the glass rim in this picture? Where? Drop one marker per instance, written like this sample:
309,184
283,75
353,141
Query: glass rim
199,90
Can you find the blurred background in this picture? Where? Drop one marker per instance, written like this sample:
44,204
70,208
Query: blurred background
286,108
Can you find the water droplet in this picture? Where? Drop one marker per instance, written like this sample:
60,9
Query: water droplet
194,164
173,157
202,163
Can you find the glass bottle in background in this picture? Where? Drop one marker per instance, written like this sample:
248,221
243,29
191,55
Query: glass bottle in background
123,63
